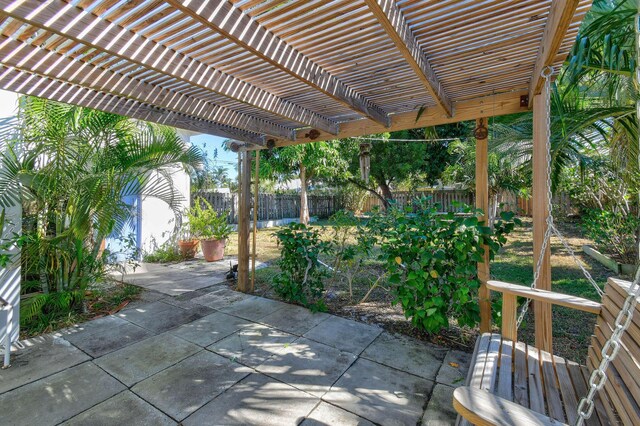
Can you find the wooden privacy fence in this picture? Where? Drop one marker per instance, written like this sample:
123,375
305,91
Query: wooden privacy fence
273,206
562,203
444,197
286,206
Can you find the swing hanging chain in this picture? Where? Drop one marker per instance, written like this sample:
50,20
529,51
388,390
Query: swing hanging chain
546,73
610,349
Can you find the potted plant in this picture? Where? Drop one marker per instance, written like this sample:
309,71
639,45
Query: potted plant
187,243
210,228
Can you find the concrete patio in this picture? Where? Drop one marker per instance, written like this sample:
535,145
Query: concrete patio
210,355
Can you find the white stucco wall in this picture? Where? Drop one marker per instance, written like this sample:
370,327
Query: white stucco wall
10,276
158,219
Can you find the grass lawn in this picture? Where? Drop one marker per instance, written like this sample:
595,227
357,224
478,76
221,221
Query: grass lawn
572,329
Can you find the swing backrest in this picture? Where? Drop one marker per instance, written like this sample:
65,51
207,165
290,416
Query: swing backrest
623,375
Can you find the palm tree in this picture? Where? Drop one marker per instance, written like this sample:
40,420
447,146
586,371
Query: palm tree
71,169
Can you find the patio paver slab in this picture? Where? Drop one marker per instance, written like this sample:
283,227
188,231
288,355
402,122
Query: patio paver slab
126,408
454,368
440,411
254,308
406,354
40,357
344,334
210,329
294,319
183,388
309,366
220,298
381,394
173,282
104,335
256,400
58,397
140,360
159,316
253,344
326,414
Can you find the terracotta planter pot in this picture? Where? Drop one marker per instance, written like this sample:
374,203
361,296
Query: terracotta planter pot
213,250
188,249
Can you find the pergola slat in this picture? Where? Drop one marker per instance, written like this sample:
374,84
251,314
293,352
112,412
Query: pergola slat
31,84
394,24
253,65
226,19
52,65
81,26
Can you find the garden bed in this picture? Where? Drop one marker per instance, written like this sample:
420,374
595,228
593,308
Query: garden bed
609,262
572,330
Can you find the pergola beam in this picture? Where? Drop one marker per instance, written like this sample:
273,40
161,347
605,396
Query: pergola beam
488,106
81,26
390,17
34,85
50,64
555,30
224,18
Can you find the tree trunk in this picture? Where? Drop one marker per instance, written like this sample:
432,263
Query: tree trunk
304,201
386,193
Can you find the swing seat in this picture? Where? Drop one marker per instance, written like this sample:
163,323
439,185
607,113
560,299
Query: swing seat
511,383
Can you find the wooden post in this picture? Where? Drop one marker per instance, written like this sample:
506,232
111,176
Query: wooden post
482,202
255,220
542,310
244,284
510,317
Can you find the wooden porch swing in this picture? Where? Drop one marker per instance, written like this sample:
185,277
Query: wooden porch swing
512,383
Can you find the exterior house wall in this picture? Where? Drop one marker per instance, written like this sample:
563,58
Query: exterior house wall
10,276
158,220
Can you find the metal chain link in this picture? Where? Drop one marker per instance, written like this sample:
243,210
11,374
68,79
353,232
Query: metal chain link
623,320
546,74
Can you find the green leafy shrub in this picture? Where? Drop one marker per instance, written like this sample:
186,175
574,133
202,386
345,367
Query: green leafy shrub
166,252
431,260
614,232
205,223
351,247
301,277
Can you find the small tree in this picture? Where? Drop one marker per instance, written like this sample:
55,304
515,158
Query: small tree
395,163
309,162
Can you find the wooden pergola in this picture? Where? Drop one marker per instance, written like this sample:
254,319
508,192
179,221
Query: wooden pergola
271,73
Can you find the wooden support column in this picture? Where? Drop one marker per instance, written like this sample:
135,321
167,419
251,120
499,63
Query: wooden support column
482,202
244,284
256,190
542,310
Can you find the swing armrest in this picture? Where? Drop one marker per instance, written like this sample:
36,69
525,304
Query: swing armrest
554,298
483,408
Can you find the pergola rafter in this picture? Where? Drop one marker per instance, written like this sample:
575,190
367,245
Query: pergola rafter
32,84
558,22
224,18
53,65
395,25
83,27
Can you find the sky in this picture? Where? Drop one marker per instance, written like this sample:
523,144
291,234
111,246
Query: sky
211,145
